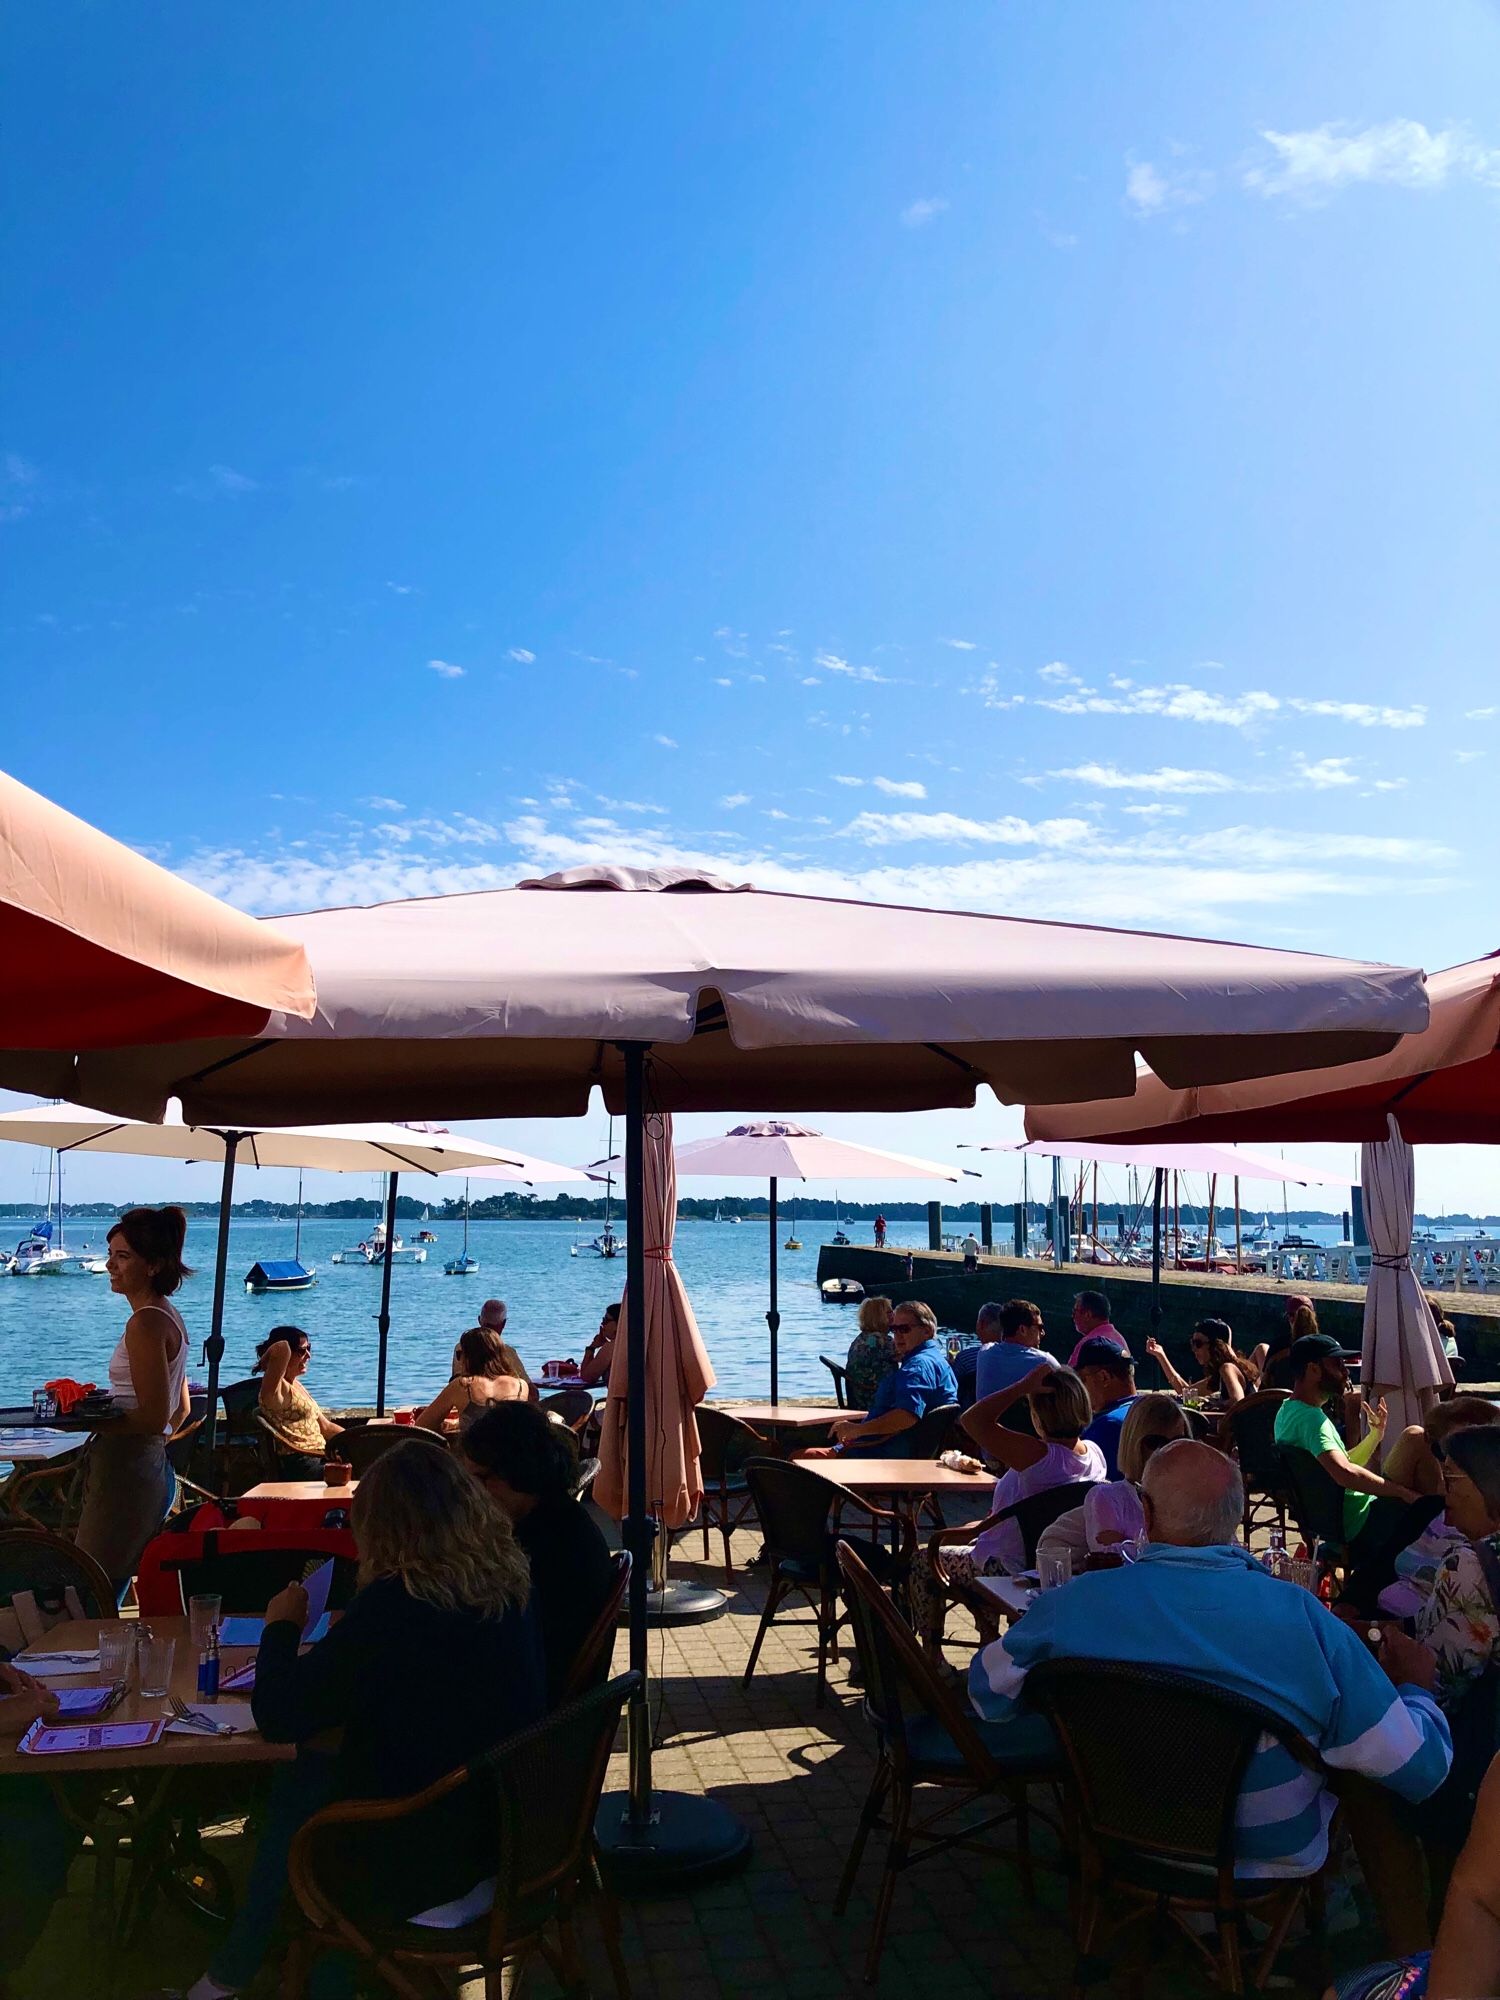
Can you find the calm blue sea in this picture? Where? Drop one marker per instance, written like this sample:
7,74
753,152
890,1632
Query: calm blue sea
68,1326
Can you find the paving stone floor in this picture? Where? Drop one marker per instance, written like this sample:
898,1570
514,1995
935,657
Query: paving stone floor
797,1776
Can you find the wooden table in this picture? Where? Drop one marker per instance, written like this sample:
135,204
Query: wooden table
784,1416
295,1503
173,1749
30,1444
899,1477
1014,1597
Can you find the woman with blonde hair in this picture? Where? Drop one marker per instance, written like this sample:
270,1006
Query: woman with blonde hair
436,1658
486,1370
1058,1455
872,1353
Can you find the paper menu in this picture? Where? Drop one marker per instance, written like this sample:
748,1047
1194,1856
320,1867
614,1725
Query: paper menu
317,1587
238,1631
78,1704
44,1739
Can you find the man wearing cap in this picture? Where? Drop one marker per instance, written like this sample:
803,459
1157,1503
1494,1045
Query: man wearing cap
1109,1377
1378,1514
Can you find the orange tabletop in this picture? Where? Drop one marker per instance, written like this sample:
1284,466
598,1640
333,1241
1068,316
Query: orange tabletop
898,1475
301,1489
787,1416
172,1748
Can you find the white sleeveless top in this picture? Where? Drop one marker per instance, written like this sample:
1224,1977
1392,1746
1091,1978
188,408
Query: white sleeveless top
122,1388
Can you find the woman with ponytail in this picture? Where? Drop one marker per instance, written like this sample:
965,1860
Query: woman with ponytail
129,1483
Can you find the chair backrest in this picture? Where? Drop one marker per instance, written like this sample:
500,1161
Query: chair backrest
56,1581
1317,1502
574,1406
240,1400
725,1445
1252,1426
362,1448
591,1663
1036,1513
793,1505
931,1433
840,1374
900,1683
545,1783
180,1445
246,1573
1156,1757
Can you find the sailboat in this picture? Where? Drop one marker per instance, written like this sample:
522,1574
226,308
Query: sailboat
462,1265
424,1234
38,1256
606,1243
288,1274
793,1240
371,1250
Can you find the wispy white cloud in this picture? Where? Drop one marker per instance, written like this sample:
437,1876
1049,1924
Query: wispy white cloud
401,589
1169,778
1313,165
917,214
1180,701
666,742
900,788
843,778
1157,810
888,829
446,669
1152,190
960,645
379,804
1369,715
522,655
1480,714
733,799
833,663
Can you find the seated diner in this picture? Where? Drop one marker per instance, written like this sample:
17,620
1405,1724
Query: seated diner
1112,1517
436,1658
1227,1376
486,1370
598,1356
872,1352
301,1428
922,1380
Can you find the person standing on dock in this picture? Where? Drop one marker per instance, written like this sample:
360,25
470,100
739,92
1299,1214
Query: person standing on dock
880,1232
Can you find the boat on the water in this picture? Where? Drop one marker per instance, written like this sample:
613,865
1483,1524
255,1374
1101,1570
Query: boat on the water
841,1291
278,1274
463,1265
372,1250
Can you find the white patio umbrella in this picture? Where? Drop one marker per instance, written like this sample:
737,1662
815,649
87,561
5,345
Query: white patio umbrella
774,1150
517,1002
1403,1356
342,1149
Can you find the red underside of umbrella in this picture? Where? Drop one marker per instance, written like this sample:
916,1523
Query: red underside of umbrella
57,990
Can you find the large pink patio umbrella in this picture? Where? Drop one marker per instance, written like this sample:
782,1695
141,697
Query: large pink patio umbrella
1403,1357
678,1371
773,1150
1442,1082
101,947
520,1001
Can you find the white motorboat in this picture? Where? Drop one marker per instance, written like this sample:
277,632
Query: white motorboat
372,1250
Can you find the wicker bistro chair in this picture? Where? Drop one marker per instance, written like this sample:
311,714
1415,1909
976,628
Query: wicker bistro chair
53,1579
1251,1430
573,1406
1155,1761
1316,1501
928,1737
540,1790
725,1447
361,1448
46,1496
840,1374
1032,1516
793,1505
592,1662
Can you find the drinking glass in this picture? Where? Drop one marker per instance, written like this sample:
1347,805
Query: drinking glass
1054,1567
156,1665
43,1405
116,1651
1303,1573
203,1618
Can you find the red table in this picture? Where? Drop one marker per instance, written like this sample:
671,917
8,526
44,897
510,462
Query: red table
295,1503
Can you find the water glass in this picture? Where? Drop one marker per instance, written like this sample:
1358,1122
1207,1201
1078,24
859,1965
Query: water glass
156,1664
116,1652
1054,1567
203,1620
1303,1573
43,1405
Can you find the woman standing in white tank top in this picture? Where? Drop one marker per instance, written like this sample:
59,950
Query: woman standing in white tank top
129,1484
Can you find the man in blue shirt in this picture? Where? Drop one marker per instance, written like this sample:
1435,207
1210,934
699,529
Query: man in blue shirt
1109,1377
921,1380
1016,1352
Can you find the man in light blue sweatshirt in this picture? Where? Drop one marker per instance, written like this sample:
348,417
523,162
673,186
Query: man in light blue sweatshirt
1198,1602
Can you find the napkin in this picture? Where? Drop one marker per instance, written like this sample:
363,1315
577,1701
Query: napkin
235,1713
44,1666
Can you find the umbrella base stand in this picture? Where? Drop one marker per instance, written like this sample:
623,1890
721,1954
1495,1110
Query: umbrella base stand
677,1603
685,1841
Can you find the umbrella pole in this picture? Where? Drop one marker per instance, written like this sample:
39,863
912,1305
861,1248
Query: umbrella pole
650,1841
384,1320
773,1316
1156,1201
213,1347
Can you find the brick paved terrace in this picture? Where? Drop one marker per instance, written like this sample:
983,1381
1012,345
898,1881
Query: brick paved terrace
797,1775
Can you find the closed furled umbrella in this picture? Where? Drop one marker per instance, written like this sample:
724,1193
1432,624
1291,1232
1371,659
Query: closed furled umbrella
1442,1082
1403,1353
518,1002
102,948
678,1371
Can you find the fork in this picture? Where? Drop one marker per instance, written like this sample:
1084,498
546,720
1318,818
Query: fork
194,1720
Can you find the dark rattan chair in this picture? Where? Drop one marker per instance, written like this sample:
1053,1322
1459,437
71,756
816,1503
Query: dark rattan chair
574,1406
1316,1501
241,1401
591,1665
361,1448
931,1433
928,1736
246,1570
1033,1516
1155,1762
801,1553
1251,1427
840,1374
542,1789
61,1579
45,1496
725,1447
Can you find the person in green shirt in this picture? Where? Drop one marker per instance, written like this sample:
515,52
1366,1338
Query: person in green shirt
1319,1373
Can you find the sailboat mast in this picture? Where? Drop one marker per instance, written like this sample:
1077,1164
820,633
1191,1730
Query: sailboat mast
61,1232
297,1245
466,1215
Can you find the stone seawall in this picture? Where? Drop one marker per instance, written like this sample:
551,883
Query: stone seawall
1252,1305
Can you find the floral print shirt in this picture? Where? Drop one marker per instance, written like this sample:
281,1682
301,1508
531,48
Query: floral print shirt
871,1357
1460,1621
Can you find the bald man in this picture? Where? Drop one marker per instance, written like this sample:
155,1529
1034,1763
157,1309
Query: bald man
1198,1602
492,1314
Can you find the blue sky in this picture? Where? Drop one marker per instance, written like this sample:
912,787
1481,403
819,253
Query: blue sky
1040,459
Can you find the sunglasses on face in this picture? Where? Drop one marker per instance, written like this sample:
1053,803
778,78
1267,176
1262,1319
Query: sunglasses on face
903,1326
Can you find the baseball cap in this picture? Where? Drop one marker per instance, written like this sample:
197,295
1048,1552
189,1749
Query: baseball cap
1313,1347
1100,1352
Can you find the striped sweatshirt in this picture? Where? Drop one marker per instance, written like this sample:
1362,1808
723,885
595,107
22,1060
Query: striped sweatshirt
1215,1613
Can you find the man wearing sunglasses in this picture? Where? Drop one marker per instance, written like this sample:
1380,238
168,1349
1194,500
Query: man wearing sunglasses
921,1380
